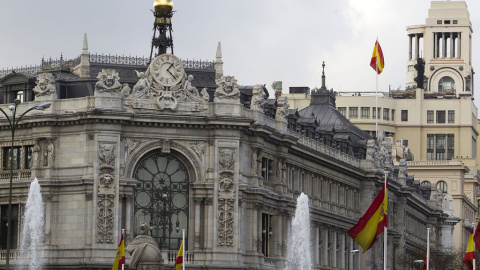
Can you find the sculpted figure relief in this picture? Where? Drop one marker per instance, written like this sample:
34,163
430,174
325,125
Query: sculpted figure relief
142,88
108,81
143,249
45,85
227,89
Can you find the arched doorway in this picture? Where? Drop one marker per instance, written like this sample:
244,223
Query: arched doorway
161,197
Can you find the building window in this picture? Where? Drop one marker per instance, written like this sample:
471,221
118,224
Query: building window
266,168
15,158
161,198
451,117
439,21
375,113
429,117
404,115
455,21
447,21
386,114
365,113
405,143
353,112
266,234
440,117
442,185
474,147
440,146
14,231
446,84
343,111
426,183
393,115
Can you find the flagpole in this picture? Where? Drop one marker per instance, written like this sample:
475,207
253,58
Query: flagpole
376,94
474,248
123,236
184,251
428,248
385,230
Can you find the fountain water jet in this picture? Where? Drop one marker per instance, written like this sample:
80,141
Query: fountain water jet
299,253
32,228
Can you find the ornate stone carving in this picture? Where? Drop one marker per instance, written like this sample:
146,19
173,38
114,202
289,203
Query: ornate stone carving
45,85
144,251
282,108
225,222
105,207
226,182
142,88
258,98
166,146
227,91
36,152
88,196
198,147
130,145
106,192
227,159
108,81
205,95
126,90
254,161
49,154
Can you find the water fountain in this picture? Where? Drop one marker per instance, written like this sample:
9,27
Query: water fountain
299,255
32,229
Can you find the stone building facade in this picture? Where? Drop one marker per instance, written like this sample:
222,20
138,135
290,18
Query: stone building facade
125,143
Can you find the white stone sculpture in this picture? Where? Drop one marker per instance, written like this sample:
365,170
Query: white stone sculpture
144,250
227,91
45,85
108,81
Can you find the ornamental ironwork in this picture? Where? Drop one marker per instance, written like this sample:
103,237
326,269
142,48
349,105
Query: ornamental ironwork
161,198
119,60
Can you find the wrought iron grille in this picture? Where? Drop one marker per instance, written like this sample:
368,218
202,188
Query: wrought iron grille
161,198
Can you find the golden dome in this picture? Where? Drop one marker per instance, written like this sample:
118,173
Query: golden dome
163,6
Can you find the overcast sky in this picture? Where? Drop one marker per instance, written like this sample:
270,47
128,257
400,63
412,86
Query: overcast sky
262,40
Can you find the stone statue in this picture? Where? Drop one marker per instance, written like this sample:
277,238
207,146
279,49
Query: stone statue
35,154
205,95
188,88
144,250
227,90
50,153
142,87
126,90
108,81
45,85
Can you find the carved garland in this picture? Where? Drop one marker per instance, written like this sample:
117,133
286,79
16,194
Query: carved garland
226,205
106,193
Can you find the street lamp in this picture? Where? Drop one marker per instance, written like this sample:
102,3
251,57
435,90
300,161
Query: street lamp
353,252
13,123
418,261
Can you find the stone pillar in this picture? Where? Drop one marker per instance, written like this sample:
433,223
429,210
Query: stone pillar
350,254
444,45
451,45
209,224
279,235
417,45
334,248
435,46
326,258
128,214
317,245
255,228
459,43
196,242
409,47
342,250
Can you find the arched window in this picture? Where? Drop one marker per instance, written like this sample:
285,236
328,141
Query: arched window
446,84
441,185
161,198
426,183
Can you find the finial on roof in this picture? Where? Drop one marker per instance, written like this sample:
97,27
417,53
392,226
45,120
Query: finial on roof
323,76
323,68
85,43
219,51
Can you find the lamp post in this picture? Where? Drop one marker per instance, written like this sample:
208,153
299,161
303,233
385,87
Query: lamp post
353,252
13,123
419,262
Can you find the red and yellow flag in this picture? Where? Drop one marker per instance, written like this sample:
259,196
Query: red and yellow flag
377,62
476,235
470,253
372,223
120,258
425,262
179,260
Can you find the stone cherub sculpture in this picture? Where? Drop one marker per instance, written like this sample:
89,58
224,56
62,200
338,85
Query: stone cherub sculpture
143,249
45,85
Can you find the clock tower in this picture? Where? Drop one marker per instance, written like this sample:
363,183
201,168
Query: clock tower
162,28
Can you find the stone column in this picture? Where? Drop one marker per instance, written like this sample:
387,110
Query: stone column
196,242
342,250
255,227
326,258
128,216
435,45
417,45
444,45
459,43
209,224
409,47
350,254
334,248
278,232
317,245
451,45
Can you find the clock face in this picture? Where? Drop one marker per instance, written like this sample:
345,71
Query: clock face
167,69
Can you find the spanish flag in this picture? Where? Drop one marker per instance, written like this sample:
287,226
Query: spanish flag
470,253
425,262
120,258
179,260
476,235
377,62
373,221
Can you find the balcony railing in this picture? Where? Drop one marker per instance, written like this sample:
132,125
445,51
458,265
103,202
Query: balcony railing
17,174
